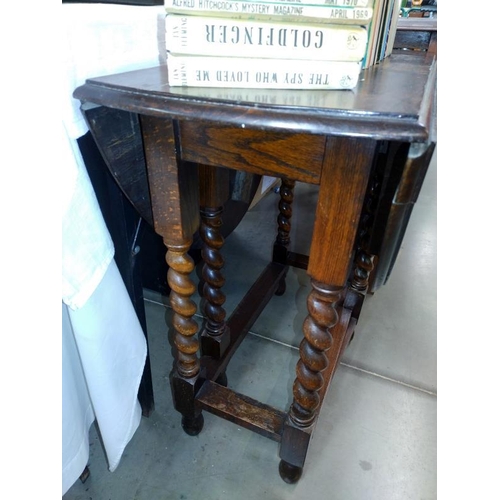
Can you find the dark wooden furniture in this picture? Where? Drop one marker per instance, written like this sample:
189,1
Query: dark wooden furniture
117,170
416,33
367,149
125,227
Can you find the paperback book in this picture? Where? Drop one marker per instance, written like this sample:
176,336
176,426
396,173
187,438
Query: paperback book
276,44
319,12
266,39
381,31
235,72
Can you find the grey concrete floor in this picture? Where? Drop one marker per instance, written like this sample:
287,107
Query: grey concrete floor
376,434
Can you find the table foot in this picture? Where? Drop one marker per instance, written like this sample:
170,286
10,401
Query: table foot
193,425
222,379
351,338
85,474
289,473
281,287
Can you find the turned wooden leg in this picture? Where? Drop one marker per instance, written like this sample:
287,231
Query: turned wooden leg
187,367
364,260
362,268
344,180
280,251
213,193
317,327
215,335
175,195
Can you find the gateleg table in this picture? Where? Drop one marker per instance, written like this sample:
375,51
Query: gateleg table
367,150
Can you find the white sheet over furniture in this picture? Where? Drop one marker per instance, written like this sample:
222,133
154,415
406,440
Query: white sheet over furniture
103,346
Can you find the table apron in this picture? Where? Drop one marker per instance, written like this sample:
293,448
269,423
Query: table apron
279,154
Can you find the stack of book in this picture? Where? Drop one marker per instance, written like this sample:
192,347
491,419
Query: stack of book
382,31
272,44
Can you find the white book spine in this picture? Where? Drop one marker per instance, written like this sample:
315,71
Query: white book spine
331,3
234,72
342,3
272,10
250,38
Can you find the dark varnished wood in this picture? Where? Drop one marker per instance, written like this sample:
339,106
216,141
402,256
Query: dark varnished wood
432,47
340,335
245,314
312,383
215,335
313,362
174,195
85,474
387,173
174,188
214,192
381,106
295,155
289,473
213,278
118,136
181,265
331,138
364,261
242,410
214,185
417,33
282,243
413,173
322,318
298,260
363,266
285,214
346,170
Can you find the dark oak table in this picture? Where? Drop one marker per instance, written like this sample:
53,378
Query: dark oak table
367,149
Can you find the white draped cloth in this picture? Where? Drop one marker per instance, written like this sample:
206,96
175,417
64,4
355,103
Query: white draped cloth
103,346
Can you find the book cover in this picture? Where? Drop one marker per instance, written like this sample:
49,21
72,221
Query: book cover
393,28
372,28
385,29
272,10
252,38
376,27
235,72
332,3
